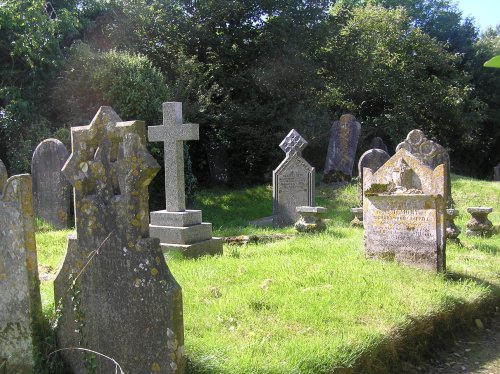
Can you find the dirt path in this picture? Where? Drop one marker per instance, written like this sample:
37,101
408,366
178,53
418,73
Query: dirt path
476,352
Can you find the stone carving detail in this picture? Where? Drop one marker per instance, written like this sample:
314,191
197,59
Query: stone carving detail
117,293
293,181
404,212
20,303
429,153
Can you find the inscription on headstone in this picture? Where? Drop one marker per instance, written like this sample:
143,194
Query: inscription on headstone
344,135
125,303
51,190
404,212
20,304
293,181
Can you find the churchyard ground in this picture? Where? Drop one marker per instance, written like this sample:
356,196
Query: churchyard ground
312,304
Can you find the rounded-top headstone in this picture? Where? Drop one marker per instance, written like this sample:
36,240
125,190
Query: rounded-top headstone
51,190
378,143
372,159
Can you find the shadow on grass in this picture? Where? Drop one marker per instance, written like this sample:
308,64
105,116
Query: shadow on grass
459,277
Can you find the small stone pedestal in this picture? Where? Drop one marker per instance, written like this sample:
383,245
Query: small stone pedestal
311,219
452,231
479,224
358,217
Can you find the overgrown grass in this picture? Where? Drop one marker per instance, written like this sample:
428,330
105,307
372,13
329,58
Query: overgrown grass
313,303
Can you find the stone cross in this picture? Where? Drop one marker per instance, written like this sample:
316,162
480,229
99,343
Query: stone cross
172,133
293,143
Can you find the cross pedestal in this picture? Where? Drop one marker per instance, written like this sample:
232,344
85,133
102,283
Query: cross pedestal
176,227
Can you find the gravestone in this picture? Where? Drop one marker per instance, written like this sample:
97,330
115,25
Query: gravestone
344,135
496,173
429,153
117,294
404,212
217,163
3,176
378,143
51,190
20,303
372,159
176,227
293,181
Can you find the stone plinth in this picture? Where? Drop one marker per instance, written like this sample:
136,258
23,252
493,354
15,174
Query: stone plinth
404,207
479,224
176,227
358,217
311,219
452,231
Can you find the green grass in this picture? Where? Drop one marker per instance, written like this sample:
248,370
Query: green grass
313,303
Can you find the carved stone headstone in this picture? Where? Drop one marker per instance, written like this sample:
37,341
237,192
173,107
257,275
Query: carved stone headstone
496,173
372,159
404,212
429,153
20,303
176,227
3,175
293,182
344,135
378,143
124,302
51,190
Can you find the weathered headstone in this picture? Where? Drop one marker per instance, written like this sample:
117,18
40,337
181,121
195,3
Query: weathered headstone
429,153
496,173
3,176
217,163
404,209
51,190
20,303
372,159
293,181
378,143
344,135
176,227
117,294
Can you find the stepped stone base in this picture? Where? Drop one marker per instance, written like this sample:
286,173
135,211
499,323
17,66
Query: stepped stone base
184,231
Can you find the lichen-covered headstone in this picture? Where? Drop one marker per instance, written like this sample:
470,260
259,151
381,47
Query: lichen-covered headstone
344,135
404,212
429,153
372,159
293,181
125,303
20,304
51,190
3,176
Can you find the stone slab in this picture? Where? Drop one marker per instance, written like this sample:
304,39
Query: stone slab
51,190
178,219
212,247
181,235
311,209
20,303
